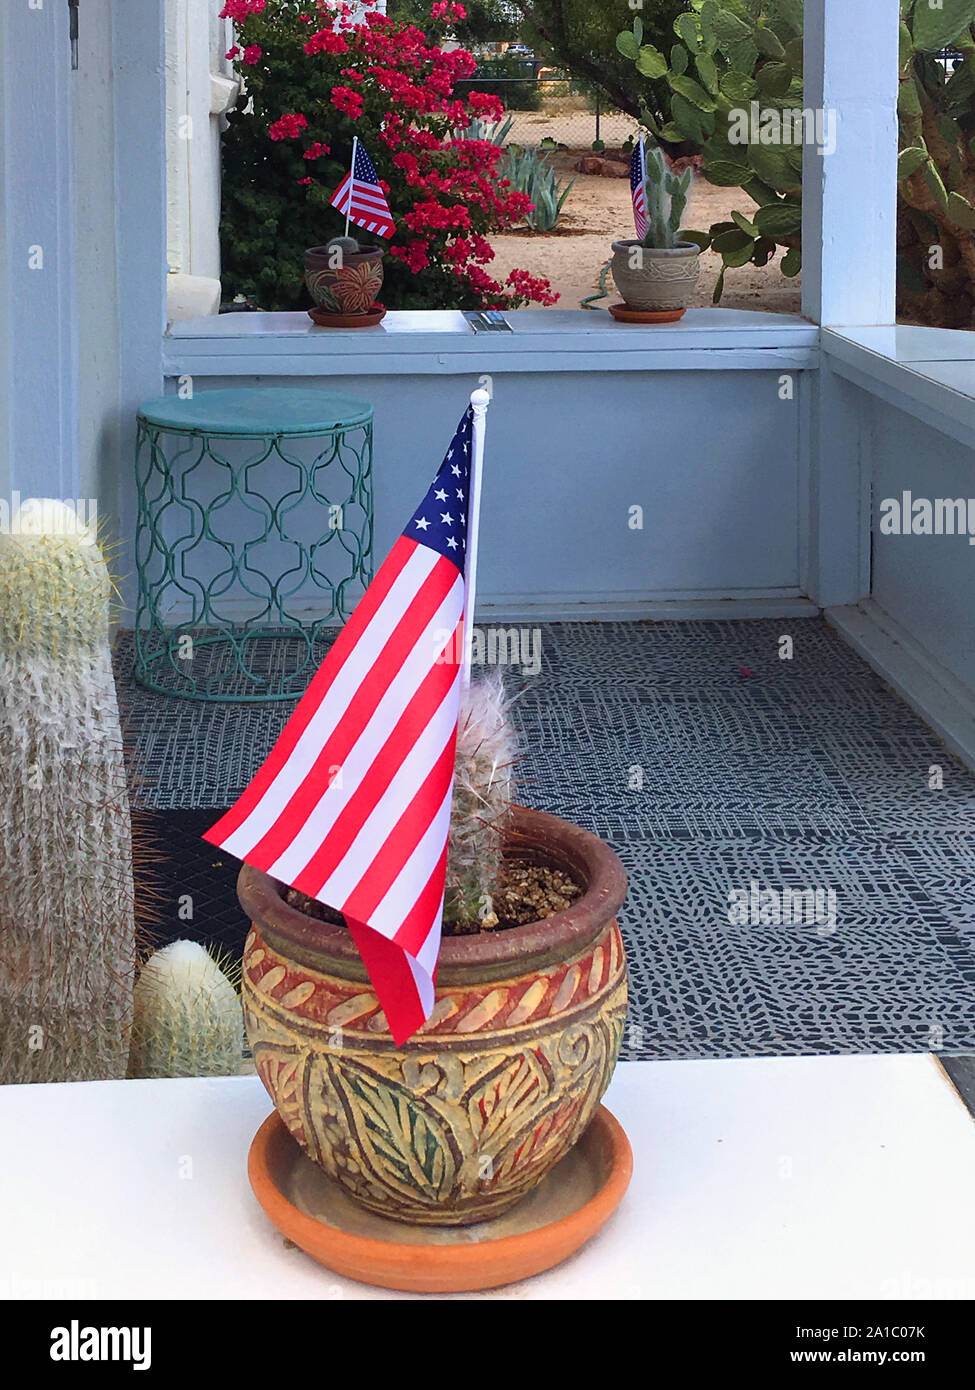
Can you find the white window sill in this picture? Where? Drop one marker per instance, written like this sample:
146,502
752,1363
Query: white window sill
927,372
542,340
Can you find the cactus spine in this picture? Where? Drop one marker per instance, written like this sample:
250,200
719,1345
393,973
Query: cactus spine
482,799
67,910
188,1020
667,194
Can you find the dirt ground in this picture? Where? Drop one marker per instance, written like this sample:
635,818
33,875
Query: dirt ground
598,211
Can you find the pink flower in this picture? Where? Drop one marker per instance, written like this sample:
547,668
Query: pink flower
317,150
252,54
445,9
347,101
232,53
240,10
326,41
287,127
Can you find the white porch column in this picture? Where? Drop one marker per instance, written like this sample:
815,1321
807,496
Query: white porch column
849,208
849,197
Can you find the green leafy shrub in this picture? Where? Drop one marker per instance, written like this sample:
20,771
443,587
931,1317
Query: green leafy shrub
732,53
308,92
726,57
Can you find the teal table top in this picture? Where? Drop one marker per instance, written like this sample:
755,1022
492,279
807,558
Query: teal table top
257,410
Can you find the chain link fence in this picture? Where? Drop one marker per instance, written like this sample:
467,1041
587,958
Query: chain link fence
557,112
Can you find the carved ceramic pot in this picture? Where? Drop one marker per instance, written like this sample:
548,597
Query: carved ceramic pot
655,279
349,288
479,1105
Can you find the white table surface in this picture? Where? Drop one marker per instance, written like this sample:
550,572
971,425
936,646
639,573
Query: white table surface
839,1177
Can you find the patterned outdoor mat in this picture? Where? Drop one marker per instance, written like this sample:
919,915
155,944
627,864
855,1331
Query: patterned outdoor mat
712,766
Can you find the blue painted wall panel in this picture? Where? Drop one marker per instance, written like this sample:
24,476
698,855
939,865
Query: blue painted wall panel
924,582
713,459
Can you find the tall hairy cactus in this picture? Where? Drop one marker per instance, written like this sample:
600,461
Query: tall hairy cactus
666,200
482,799
188,1019
67,910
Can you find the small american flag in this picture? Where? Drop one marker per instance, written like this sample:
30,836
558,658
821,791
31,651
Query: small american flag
361,199
353,804
638,188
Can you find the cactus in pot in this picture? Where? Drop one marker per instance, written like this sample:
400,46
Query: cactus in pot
481,804
658,273
67,906
344,278
731,57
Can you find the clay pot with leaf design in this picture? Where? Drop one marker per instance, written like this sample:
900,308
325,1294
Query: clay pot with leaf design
479,1105
344,278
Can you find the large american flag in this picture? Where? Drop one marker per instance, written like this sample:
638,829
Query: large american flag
638,188
352,806
361,198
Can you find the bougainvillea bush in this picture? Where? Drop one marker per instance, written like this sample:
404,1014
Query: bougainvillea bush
314,79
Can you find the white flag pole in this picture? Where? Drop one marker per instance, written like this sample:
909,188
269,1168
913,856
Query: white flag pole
479,403
348,210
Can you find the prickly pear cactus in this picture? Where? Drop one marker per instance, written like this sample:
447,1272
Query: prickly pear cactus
936,165
188,1019
482,800
67,911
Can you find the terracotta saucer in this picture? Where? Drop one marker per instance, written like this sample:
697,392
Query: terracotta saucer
625,315
327,320
575,1201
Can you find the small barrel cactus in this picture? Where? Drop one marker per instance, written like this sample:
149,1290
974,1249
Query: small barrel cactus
188,1020
347,245
67,907
482,798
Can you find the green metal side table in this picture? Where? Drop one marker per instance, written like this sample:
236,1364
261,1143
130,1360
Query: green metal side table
253,539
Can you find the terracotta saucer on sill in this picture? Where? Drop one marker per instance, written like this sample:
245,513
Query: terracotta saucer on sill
625,315
325,319
566,1209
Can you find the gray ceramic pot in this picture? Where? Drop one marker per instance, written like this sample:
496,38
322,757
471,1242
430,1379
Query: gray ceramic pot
656,279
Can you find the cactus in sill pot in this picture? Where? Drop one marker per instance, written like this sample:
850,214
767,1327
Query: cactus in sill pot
67,903
482,800
346,245
666,200
729,54
187,1018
